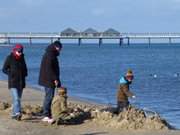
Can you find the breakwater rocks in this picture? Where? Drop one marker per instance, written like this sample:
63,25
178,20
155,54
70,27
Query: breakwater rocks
129,119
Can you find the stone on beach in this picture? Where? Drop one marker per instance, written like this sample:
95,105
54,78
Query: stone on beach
4,105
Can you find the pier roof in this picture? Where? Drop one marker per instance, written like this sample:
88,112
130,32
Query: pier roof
69,31
90,31
111,31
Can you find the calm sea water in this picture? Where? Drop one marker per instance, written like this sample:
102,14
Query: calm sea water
92,73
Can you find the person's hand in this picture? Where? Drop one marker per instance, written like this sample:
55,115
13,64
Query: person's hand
133,96
56,82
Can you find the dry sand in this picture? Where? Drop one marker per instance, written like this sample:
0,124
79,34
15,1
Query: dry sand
30,96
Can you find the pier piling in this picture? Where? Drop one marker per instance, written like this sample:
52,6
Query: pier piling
30,41
128,42
120,41
79,41
9,41
100,42
149,41
170,40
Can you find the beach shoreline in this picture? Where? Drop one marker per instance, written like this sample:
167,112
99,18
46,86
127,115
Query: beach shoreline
41,92
31,96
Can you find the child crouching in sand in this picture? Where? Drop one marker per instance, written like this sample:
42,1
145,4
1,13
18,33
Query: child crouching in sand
59,108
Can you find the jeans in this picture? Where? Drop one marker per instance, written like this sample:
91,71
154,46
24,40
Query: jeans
49,94
16,99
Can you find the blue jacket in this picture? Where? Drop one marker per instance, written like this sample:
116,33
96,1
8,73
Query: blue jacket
123,91
122,80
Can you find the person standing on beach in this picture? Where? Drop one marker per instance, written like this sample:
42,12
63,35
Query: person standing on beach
16,69
49,76
123,91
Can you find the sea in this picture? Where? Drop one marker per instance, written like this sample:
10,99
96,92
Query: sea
92,73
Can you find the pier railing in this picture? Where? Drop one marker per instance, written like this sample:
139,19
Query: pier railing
100,35
6,37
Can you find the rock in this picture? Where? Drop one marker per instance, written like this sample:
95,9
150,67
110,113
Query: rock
94,113
37,109
4,105
27,109
31,110
26,117
105,115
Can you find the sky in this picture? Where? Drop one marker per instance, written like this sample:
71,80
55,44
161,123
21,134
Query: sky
57,15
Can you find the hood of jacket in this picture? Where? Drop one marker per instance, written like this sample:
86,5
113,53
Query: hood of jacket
51,50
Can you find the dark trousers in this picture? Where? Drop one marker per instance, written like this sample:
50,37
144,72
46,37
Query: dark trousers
122,105
49,94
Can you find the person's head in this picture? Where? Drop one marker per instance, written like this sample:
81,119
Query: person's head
62,91
57,45
129,75
18,50
54,48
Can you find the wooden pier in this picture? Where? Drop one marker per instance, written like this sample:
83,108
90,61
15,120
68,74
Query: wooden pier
122,37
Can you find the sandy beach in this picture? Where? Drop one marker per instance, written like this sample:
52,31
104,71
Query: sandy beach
30,96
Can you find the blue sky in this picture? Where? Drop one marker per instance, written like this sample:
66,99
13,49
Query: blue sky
123,15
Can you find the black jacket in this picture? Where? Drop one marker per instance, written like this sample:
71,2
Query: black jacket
16,71
49,70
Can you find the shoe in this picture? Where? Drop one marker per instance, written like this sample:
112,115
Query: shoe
17,117
50,121
46,119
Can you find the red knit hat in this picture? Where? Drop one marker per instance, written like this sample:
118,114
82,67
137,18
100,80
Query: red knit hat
18,47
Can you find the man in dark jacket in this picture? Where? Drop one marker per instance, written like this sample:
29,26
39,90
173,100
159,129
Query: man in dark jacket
49,76
15,68
124,92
